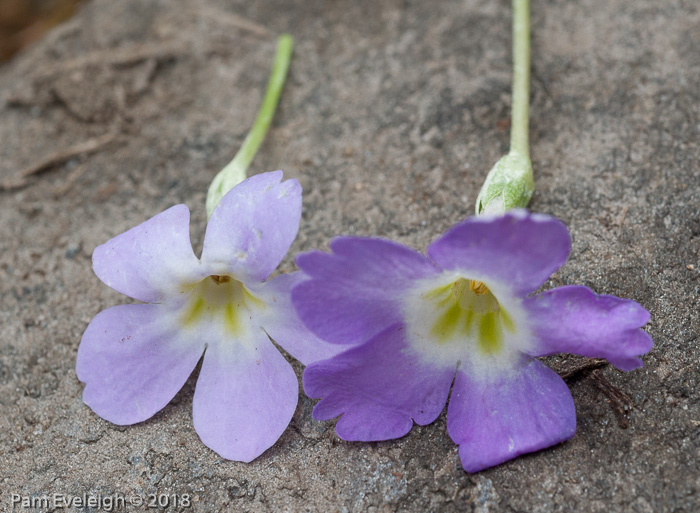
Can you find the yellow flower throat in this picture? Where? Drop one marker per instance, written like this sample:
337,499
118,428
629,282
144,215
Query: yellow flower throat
219,296
467,309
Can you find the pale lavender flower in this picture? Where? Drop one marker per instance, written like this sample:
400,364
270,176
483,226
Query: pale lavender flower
134,358
460,319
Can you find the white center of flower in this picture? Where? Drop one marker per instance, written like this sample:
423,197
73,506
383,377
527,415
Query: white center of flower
220,299
455,319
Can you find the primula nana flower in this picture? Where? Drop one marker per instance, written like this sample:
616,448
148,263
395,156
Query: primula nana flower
134,358
462,319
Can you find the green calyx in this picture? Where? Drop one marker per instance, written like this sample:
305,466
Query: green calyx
509,184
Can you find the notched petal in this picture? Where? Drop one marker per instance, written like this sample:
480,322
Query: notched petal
353,293
379,388
575,320
252,228
525,410
150,261
245,397
517,248
133,362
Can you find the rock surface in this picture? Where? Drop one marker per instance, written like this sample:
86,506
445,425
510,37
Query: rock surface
393,114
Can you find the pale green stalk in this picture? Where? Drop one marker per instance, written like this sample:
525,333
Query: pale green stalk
236,170
510,183
521,78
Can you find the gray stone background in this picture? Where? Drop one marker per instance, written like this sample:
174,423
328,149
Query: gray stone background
392,115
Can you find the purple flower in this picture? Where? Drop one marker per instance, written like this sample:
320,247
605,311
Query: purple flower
459,318
134,358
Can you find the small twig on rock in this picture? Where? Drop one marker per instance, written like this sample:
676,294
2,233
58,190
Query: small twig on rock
620,402
56,159
69,183
61,156
233,20
571,370
115,57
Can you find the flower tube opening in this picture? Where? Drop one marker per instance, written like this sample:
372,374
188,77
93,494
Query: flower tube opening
466,319
467,309
220,298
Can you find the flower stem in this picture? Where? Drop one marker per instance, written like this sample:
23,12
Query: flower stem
510,183
236,170
521,78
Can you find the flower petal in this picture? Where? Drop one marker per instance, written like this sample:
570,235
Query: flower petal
575,320
378,388
149,261
280,320
517,248
354,292
133,362
251,230
245,397
495,421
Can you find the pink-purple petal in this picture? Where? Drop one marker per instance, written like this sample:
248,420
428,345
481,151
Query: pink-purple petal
573,319
517,248
379,388
245,397
133,362
149,262
251,230
495,421
354,290
281,322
